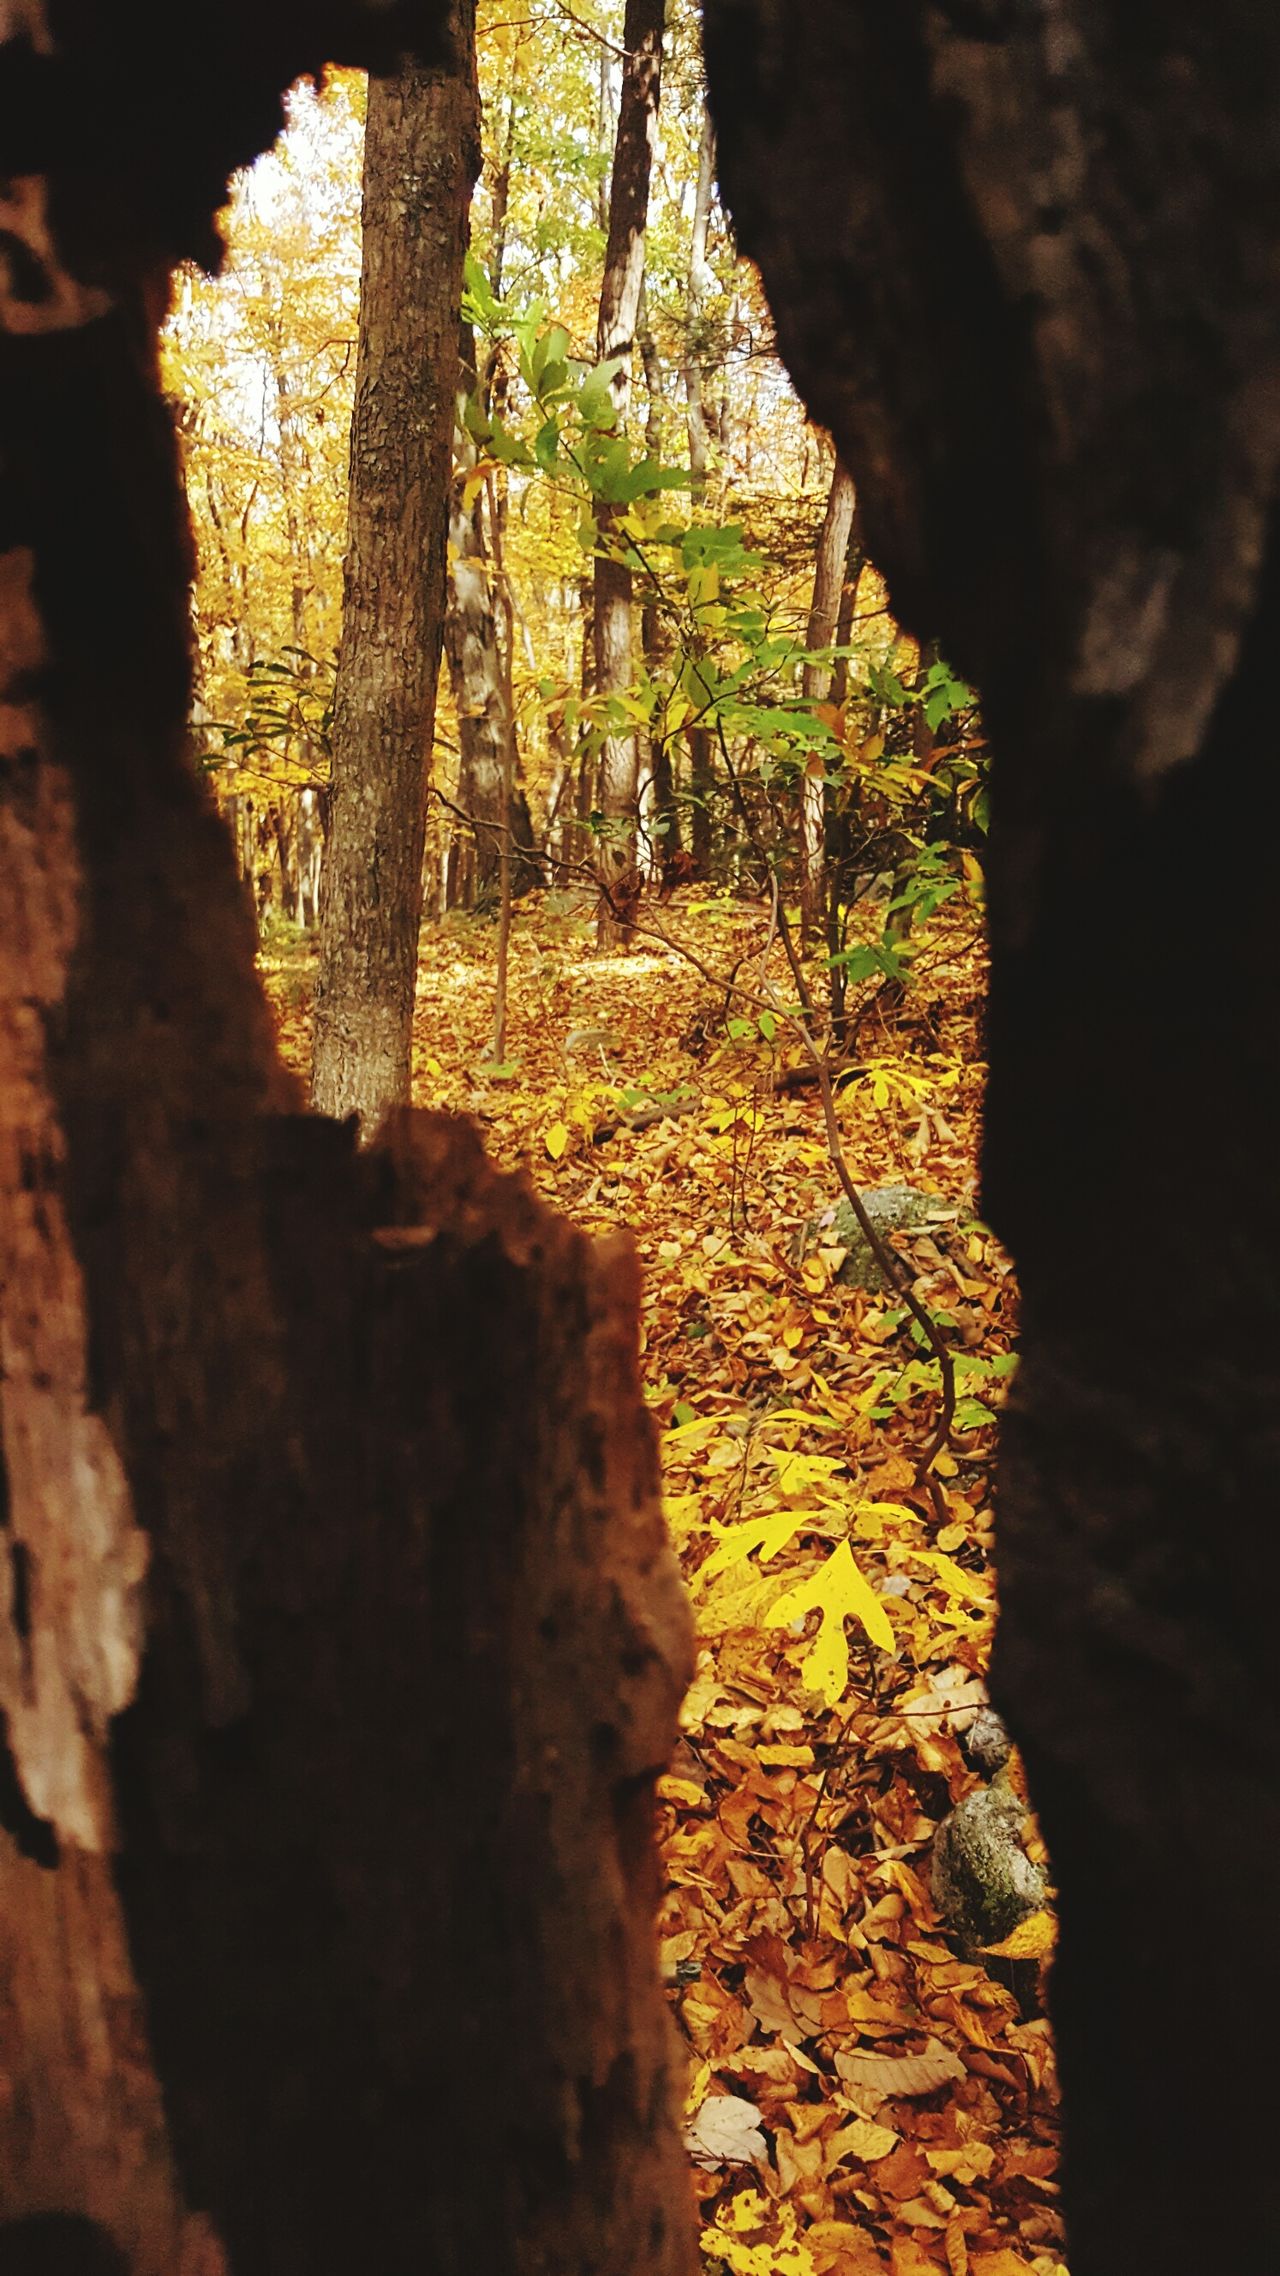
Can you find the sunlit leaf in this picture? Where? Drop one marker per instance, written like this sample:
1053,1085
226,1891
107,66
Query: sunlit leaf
838,1592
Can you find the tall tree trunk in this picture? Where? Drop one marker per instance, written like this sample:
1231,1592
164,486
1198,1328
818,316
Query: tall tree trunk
479,693
332,1691
824,617
421,156
700,279
1042,330
659,842
615,343
701,751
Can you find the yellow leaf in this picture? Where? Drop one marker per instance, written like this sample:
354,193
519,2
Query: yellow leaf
954,1577
1032,1939
681,1790
838,1592
556,1140
862,2139
767,1534
696,2091
800,1473
972,2162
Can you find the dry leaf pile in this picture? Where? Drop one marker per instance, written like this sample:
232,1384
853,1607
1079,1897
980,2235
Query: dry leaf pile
865,2096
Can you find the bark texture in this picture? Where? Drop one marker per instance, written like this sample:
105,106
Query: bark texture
1041,321
421,158
333,1693
620,293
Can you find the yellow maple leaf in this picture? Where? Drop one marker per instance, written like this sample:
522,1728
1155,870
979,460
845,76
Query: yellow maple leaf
766,1534
838,1592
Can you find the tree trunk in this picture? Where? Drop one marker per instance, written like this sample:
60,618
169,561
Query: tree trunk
615,342
1042,331
479,695
815,680
659,819
696,348
333,1689
421,156
701,752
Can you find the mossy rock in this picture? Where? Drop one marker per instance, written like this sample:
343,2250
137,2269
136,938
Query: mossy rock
984,1883
892,1209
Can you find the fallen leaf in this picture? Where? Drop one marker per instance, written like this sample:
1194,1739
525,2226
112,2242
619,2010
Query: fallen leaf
885,2076
909,2258
1032,1939
726,2131
971,2163
837,1592
862,2139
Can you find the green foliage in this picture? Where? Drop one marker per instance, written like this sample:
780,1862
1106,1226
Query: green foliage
285,729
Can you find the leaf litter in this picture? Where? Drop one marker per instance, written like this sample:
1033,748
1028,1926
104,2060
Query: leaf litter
866,2097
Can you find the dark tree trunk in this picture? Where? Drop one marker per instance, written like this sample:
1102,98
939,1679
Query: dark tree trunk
332,1690
421,156
1041,324
620,292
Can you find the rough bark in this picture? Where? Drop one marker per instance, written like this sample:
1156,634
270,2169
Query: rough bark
620,291
824,618
332,1695
421,157
1041,323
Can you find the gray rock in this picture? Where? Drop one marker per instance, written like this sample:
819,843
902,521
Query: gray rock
984,1883
986,1744
892,1209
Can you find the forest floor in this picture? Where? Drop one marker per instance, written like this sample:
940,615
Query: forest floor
865,2095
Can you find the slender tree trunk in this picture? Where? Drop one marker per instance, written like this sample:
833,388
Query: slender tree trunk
479,694
332,1692
615,343
659,816
1045,344
824,616
700,279
420,160
701,748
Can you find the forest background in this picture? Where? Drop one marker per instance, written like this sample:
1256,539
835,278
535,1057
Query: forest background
796,1011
